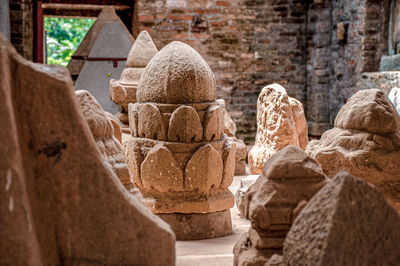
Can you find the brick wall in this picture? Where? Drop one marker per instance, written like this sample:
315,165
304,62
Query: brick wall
334,67
252,43
368,24
248,44
21,22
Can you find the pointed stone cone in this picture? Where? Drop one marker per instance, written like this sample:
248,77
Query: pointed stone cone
142,51
112,41
106,15
348,222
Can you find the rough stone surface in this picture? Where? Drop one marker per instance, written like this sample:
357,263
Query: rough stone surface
123,91
110,40
103,129
142,51
290,179
197,226
348,222
60,204
280,122
180,159
198,85
364,142
394,97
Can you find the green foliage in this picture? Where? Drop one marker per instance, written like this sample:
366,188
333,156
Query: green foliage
63,37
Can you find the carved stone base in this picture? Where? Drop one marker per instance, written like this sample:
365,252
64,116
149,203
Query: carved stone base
196,226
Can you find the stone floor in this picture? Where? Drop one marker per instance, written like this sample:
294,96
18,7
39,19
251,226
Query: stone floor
217,251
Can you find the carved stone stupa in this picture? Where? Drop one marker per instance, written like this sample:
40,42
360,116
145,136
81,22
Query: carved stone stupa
180,159
123,91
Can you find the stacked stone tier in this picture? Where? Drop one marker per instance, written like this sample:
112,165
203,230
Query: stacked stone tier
197,122
183,177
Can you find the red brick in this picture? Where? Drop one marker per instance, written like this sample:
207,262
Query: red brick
218,23
146,18
223,3
180,36
201,35
186,17
173,17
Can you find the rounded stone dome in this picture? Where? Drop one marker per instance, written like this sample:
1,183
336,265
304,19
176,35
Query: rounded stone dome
177,74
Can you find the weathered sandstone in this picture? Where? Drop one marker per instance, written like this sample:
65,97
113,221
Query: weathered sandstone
280,122
60,203
364,142
290,179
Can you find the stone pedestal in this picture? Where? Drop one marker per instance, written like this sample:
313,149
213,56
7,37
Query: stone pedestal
195,226
179,156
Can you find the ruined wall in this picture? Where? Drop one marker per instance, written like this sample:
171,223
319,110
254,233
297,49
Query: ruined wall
248,44
368,24
334,67
21,22
252,43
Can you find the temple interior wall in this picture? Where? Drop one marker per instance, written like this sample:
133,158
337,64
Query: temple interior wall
250,44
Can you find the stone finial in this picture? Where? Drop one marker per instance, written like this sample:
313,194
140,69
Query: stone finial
60,203
181,160
364,142
348,222
289,180
123,91
179,80
280,122
103,130
142,51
